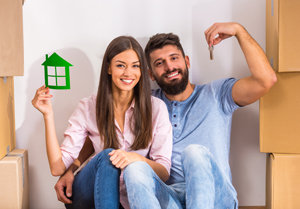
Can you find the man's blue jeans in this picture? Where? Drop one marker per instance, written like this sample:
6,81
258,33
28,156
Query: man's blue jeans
97,184
205,187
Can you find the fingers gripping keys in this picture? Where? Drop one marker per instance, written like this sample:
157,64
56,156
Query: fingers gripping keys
211,52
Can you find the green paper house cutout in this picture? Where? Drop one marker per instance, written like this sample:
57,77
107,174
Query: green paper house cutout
57,72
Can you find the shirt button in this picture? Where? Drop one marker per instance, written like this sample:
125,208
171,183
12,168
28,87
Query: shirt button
174,116
175,125
175,104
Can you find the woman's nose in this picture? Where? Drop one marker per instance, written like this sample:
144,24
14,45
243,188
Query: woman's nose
127,71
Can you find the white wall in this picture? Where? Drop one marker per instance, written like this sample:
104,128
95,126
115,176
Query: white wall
80,31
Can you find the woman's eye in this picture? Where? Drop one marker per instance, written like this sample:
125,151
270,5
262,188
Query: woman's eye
120,65
136,66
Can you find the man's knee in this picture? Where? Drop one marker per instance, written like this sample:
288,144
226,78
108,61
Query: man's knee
195,154
138,173
136,170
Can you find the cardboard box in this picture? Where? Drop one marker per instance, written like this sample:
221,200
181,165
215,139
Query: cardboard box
280,116
11,38
7,116
282,47
14,192
283,182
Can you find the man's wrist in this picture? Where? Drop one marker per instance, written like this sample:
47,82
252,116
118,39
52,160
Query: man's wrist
240,31
75,165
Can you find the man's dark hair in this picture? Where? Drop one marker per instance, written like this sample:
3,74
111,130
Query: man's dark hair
160,40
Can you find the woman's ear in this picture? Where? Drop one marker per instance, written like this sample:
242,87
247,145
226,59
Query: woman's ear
109,70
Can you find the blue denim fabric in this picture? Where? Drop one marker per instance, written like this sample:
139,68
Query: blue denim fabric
205,186
97,184
146,190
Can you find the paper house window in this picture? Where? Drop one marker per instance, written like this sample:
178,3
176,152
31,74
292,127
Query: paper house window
57,72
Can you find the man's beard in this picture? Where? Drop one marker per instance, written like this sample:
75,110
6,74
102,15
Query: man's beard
175,86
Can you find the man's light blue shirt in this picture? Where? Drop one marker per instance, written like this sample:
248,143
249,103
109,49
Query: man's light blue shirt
205,119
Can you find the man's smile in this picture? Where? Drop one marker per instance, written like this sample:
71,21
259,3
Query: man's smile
172,75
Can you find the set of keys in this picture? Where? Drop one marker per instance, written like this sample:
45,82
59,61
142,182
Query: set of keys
211,50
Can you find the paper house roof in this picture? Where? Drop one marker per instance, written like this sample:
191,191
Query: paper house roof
56,60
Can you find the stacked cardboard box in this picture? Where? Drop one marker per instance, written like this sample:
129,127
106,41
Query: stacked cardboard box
14,192
11,38
13,162
7,116
280,107
12,64
280,116
283,181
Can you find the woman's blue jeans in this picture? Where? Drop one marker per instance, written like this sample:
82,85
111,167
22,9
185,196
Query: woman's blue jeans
205,185
96,185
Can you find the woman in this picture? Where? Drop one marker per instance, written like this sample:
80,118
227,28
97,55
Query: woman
124,123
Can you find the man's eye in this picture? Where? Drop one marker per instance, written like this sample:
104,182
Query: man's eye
174,58
158,63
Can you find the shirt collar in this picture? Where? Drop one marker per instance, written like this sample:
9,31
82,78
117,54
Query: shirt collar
170,102
132,104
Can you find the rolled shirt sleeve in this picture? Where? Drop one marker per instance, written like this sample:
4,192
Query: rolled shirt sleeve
75,134
162,142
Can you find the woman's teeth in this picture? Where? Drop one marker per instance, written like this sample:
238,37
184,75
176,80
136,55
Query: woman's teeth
127,81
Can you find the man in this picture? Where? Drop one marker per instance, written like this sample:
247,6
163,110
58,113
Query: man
201,118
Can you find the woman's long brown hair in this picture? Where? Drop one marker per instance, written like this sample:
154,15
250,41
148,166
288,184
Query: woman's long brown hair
141,120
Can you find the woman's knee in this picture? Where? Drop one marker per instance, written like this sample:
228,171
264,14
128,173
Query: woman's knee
106,152
103,159
103,155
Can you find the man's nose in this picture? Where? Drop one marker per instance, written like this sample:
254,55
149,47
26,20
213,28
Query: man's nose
168,66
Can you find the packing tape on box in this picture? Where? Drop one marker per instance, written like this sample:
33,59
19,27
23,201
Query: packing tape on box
23,166
271,63
272,8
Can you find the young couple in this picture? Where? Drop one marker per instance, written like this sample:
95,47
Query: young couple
168,150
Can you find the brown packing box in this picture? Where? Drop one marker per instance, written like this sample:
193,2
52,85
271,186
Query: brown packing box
280,116
7,116
283,182
282,33
14,192
11,38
